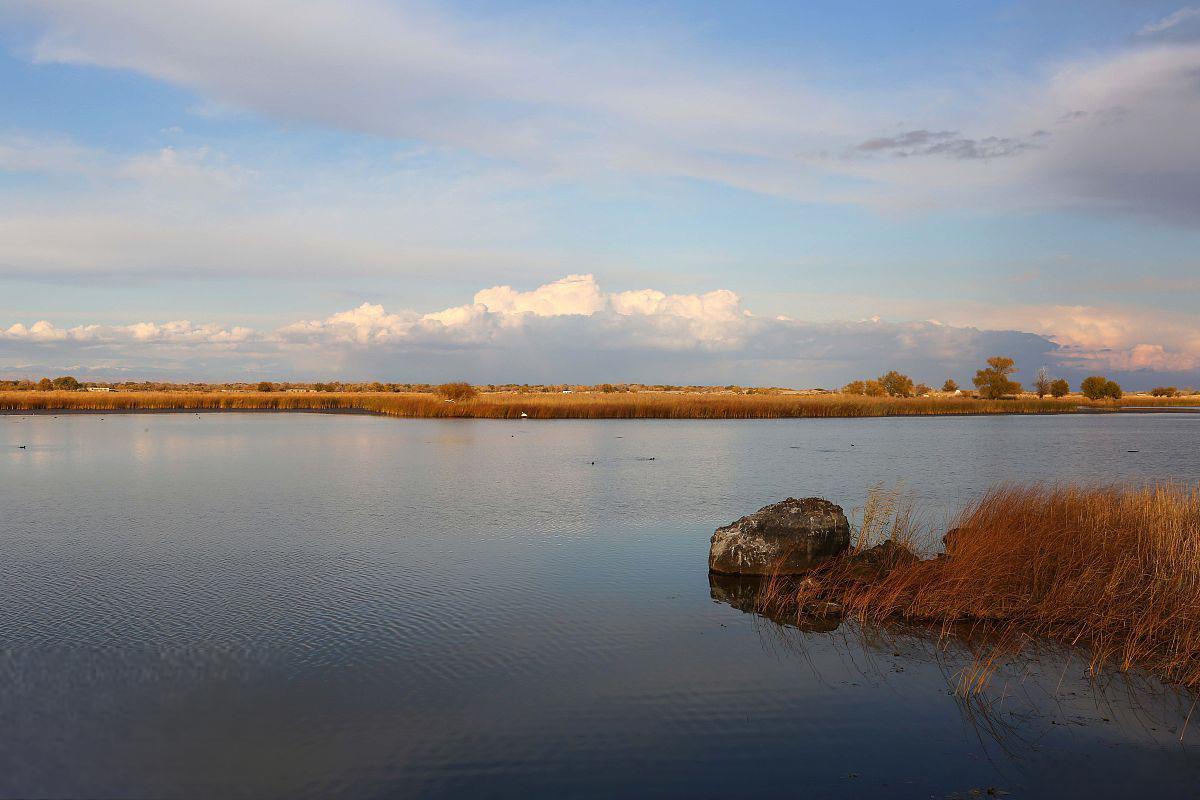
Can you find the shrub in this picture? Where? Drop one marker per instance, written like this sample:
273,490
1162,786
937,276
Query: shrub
874,389
66,382
457,390
920,390
896,384
949,385
1059,388
992,382
1164,391
266,386
855,387
1097,387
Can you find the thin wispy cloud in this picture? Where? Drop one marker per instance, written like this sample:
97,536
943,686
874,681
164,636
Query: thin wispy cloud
589,106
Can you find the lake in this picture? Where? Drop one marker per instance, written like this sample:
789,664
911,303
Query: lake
310,605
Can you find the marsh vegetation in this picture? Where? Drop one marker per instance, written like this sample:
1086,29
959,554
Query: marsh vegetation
559,405
1111,569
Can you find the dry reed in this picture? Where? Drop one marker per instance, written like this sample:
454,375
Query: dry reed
579,405
1113,569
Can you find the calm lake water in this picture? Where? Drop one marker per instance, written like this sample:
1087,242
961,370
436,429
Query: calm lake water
301,605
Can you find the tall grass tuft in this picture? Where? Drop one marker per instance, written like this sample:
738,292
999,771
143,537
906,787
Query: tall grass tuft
1115,569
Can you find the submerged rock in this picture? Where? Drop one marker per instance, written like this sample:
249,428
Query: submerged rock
785,538
743,592
877,561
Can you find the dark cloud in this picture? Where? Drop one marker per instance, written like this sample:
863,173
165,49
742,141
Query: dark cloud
949,144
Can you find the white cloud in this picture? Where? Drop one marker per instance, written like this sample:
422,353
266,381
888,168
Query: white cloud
574,294
571,327
175,332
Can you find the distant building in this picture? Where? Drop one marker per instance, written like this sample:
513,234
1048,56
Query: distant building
99,388
299,390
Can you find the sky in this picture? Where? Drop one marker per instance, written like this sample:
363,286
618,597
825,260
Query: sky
762,193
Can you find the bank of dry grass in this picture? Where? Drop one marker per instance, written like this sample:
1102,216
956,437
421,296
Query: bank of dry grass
580,405
1113,569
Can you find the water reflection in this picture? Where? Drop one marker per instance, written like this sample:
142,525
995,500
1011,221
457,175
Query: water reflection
1029,699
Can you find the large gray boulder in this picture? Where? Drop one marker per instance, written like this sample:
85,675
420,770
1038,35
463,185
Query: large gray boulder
784,538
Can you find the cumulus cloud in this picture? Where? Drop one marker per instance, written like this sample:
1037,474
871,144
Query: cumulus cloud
571,329
176,332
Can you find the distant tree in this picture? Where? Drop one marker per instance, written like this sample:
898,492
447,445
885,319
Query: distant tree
1093,387
920,390
1060,387
896,384
949,385
45,384
855,387
1097,387
874,389
993,382
1041,384
266,386
66,382
458,390
608,388
1164,391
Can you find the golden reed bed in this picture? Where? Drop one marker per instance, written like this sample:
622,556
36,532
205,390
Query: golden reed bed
1113,569
581,405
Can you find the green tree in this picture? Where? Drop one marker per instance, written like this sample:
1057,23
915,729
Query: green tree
1060,387
896,384
1098,387
266,386
992,382
1164,391
66,383
949,385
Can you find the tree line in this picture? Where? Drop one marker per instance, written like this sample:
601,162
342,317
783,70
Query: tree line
994,381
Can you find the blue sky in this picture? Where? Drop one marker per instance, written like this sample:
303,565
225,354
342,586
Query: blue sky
794,194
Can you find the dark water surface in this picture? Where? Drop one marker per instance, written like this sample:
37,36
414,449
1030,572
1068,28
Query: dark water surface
295,605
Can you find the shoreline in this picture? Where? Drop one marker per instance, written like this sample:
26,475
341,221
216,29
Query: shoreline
368,412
